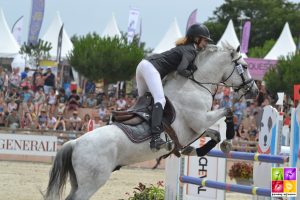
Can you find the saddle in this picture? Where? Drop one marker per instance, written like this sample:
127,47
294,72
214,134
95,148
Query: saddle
135,122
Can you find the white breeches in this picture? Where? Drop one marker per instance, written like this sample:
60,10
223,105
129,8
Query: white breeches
148,79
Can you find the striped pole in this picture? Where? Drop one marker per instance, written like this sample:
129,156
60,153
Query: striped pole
228,187
249,156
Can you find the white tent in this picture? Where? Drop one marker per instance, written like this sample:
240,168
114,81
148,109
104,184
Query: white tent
230,36
284,46
8,45
111,29
169,39
51,36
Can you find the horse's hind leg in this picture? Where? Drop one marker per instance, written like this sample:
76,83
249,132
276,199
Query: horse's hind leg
89,185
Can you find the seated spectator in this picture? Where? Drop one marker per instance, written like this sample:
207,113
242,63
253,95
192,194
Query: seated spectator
91,101
226,102
241,136
26,83
121,104
60,122
100,96
62,97
43,120
49,80
13,95
14,79
26,94
2,112
30,107
216,104
130,101
51,101
75,122
238,109
248,120
73,101
39,100
89,87
26,118
102,112
3,79
13,120
24,74
61,108
38,80
85,123
11,106
51,121
97,122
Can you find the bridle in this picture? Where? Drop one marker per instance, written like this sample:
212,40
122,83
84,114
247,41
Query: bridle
246,84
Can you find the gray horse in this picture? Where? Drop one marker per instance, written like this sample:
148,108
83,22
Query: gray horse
90,159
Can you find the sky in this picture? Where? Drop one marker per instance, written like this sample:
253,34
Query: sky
83,16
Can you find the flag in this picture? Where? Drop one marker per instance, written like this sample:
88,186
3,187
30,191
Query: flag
296,94
132,24
17,30
246,36
59,43
36,20
192,19
140,32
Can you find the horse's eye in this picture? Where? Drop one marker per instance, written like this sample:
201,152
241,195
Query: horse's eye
245,66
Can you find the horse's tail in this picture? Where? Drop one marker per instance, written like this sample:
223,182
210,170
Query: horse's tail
62,166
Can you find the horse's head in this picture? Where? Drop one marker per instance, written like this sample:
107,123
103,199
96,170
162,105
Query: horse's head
228,67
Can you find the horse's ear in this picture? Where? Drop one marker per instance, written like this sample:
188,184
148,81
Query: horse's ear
238,48
223,44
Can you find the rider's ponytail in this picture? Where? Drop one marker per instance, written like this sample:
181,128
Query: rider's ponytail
181,41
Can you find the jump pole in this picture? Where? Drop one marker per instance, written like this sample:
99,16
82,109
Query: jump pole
249,156
224,186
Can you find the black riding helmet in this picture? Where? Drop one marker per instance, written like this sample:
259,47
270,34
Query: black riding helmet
198,30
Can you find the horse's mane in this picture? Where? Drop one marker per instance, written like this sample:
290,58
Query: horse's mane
214,48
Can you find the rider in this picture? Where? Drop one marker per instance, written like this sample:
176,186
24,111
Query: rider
154,68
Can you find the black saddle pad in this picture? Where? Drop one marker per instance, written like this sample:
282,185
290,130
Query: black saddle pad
136,134
141,131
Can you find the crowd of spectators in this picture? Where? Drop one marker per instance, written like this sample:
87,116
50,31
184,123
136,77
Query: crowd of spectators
247,114
38,102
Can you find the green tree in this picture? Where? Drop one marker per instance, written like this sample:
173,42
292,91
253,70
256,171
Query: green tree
267,18
112,59
261,52
37,51
284,76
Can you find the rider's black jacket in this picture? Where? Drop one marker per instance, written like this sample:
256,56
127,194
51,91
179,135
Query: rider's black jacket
178,58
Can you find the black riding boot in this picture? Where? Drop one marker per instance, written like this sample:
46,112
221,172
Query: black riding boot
156,127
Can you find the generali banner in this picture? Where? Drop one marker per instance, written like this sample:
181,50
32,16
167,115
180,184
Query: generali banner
28,145
258,67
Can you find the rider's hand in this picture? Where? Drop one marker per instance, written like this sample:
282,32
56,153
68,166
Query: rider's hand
186,73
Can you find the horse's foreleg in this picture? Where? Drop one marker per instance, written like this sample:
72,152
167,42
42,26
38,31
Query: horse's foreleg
201,121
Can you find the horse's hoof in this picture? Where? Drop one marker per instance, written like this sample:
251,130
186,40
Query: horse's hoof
169,145
189,151
228,113
226,146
